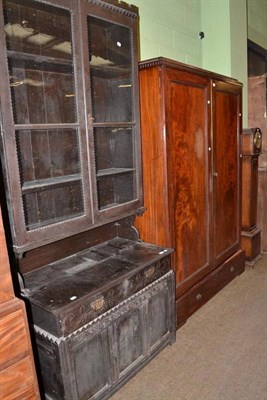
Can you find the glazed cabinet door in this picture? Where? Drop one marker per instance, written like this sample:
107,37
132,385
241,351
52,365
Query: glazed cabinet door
110,76
226,169
44,136
189,166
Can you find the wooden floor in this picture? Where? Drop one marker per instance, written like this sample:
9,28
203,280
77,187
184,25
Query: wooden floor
219,354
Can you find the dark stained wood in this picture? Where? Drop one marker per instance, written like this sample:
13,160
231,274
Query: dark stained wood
251,234
100,301
191,131
257,92
249,192
257,60
56,98
251,244
55,251
199,294
120,343
109,273
43,92
262,219
48,183
251,141
226,170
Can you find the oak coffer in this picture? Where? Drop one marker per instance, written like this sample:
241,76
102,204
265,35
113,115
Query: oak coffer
100,315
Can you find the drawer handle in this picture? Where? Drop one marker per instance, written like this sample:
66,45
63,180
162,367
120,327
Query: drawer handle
198,297
232,269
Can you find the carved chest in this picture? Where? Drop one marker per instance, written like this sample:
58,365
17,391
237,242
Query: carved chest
107,311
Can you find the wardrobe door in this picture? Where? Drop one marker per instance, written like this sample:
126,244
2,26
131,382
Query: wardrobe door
189,158
226,169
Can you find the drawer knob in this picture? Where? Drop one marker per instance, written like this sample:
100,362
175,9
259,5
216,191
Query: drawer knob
232,269
198,296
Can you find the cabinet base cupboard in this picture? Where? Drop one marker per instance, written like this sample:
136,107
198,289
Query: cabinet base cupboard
191,127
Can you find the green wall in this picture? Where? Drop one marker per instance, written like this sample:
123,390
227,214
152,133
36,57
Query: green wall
224,48
257,22
216,47
170,28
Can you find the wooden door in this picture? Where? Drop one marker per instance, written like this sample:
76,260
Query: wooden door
189,161
226,169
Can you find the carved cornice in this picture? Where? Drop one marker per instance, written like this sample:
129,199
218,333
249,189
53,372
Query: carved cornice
129,10
169,63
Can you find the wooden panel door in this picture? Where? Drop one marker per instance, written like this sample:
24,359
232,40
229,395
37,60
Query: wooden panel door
189,150
226,169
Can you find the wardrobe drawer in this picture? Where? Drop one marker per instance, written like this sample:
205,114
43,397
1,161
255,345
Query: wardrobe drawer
191,301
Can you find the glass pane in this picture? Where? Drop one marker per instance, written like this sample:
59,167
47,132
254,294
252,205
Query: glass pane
38,39
114,148
53,205
47,154
116,189
111,71
50,175
115,165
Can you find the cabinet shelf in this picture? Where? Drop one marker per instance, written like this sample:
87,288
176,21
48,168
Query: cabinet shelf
115,126
42,224
112,71
38,58
114,171
45,184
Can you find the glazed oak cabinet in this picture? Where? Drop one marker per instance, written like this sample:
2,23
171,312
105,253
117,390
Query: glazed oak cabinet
69,69
101,303
191,126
